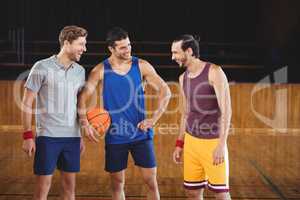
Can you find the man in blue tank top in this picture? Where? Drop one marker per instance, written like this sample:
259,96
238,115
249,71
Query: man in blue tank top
122,76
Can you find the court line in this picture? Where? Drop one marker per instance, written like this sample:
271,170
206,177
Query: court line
266,179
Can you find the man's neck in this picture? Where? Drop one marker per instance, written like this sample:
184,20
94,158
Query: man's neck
195,66
64,60
118,62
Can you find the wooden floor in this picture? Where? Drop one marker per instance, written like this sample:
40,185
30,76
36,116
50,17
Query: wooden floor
263,165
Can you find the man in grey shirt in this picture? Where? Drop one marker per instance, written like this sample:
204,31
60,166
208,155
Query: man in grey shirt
55,83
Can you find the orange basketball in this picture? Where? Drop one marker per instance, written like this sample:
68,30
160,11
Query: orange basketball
99,118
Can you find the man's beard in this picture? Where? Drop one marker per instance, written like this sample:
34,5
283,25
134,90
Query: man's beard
124,57
183,62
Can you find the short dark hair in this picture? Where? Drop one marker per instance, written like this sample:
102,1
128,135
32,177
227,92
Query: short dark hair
71,33
189,41
115,34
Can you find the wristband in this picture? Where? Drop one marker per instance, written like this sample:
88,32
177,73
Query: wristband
28,135
179,143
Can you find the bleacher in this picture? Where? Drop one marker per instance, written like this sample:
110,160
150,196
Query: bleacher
238,60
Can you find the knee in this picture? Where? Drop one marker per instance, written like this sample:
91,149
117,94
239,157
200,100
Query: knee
223,196
68,186
117,183
41,190
40,194
44,185
151,182
198,193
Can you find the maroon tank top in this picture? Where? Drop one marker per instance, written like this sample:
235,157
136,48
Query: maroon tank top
203,111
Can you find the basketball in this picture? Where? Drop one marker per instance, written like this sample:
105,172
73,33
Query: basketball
99,118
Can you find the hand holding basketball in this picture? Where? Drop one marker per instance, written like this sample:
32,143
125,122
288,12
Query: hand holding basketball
90,132
99,122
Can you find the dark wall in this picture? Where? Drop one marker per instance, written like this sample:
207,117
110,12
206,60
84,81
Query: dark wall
268,22
272,25
214,20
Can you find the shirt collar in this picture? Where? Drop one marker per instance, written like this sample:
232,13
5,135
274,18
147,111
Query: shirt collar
61,66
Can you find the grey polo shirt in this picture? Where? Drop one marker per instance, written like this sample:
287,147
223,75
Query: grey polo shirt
56,103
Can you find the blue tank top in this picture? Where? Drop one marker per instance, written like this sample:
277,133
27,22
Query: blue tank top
123,97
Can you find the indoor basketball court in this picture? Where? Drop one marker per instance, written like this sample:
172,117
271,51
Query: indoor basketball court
258,53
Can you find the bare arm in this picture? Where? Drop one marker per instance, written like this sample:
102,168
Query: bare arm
95,77
219,81
221,86
26,113
182,101
164,93
183,107
26,109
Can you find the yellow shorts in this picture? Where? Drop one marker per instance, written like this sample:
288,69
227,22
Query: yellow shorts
199,171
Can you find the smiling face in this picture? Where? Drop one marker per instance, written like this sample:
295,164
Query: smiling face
121,49
178,55
76,48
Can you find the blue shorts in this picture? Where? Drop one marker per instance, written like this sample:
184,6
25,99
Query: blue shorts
63,153
116,155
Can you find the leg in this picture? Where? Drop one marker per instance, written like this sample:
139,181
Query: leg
44,165
68,180
196,194
149,177
117,185
116,157
69,164
218,175
43,184
223,196
193,171
144,157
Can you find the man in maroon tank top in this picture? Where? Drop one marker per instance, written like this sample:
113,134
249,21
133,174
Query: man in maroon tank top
205,121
